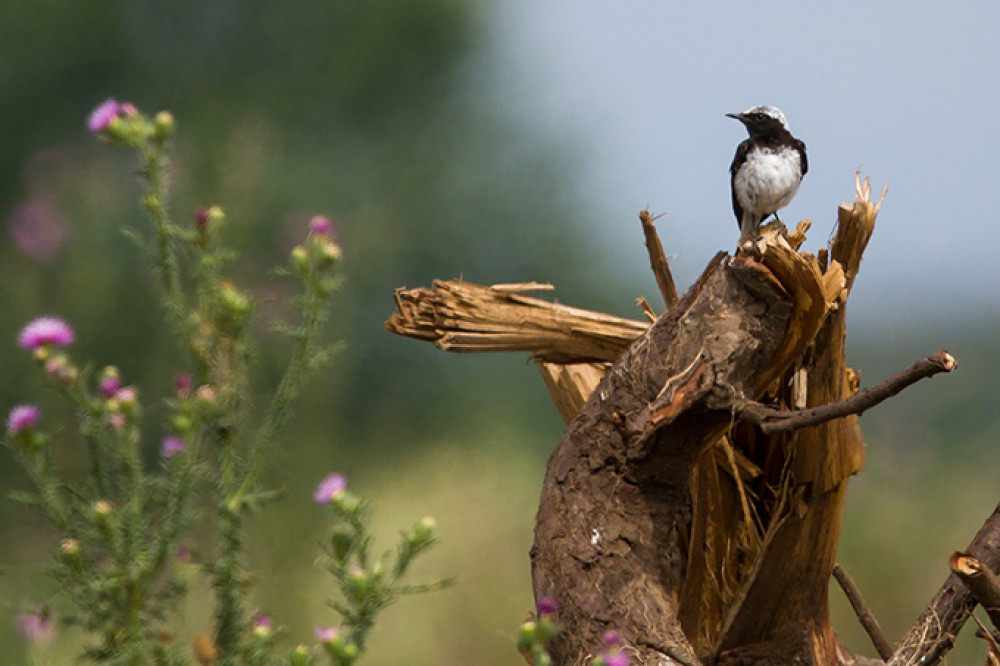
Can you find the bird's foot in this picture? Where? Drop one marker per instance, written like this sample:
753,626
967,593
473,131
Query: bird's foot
752,245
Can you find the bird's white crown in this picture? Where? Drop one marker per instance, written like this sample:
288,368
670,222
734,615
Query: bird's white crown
771,111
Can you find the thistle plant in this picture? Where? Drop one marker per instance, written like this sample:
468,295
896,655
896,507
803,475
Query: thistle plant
535,634
366,585
122,525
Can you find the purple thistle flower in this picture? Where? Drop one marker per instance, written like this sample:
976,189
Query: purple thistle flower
321,225
35,626
22,417
102,116
110,385
171,446
126,395
611,639
619,658
330,488
128,109
261,626
183,384
547,606
38,228
45,331
202,217
326,634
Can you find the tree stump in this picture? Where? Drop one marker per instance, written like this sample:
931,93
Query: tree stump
695,501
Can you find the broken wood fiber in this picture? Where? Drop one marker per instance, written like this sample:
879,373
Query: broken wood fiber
464,317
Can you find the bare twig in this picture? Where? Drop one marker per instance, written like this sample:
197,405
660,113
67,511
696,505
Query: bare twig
658,260
776,420
861,609
983,583
934,631
647,309
993,647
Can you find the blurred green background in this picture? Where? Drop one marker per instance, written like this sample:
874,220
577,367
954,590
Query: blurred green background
378,115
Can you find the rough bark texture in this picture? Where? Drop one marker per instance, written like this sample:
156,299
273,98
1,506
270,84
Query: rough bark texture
709,526
613,527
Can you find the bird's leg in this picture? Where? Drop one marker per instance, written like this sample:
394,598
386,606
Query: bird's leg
748,231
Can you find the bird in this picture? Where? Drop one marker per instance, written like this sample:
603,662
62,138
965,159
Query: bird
766,170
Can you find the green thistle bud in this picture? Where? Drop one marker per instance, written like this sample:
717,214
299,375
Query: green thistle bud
181,423
358,584
329,253
102,508
163,125
348,504
300,656
216,215
300,259
527,635
60,368
235,305
70,549
422,533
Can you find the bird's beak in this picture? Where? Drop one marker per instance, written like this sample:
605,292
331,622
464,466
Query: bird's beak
737,116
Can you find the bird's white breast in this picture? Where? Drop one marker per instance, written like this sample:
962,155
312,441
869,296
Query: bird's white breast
768,180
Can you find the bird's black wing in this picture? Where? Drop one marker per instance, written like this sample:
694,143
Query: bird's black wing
801,147
738,160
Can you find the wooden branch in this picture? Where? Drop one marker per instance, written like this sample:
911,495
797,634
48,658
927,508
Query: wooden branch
866,617
774,420
658,260
935,630
992,642
983,583
463,317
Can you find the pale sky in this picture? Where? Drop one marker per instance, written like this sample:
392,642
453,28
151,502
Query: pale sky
909,92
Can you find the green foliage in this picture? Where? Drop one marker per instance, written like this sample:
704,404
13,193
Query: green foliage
534,636
367,585
122,525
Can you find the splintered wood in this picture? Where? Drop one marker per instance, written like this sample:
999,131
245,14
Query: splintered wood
463,317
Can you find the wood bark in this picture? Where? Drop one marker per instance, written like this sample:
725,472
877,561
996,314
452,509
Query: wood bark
639,526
